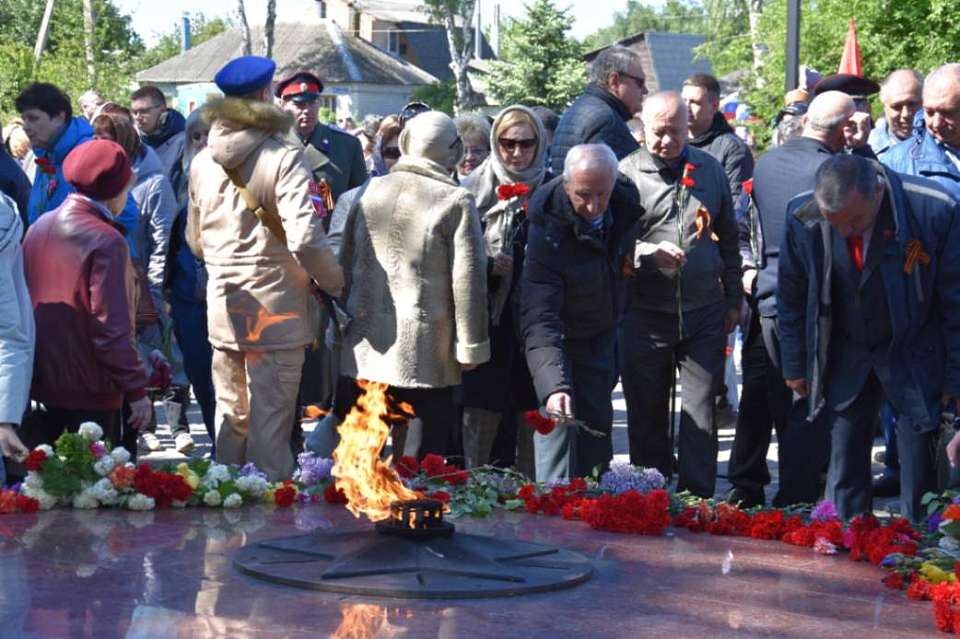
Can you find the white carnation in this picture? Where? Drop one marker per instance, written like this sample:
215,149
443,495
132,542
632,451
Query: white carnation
104,465
212,498
105,493
91,431
47,449
120,455
139,501
949,543
252,485
85,499
233,500
33,480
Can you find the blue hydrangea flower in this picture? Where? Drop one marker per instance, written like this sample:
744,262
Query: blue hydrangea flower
623,477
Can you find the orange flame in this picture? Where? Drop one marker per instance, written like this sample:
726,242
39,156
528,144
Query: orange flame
360,621
368,482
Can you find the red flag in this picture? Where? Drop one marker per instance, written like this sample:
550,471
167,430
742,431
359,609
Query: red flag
850,60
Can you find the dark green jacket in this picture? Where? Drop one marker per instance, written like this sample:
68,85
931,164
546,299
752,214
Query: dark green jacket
335,156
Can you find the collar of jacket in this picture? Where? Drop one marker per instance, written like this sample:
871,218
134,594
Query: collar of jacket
647,162
77,130
809,144
610,99
171,123
717,128
248,114
424,167
82,203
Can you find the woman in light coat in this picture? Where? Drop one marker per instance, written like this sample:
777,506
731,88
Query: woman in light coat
502,186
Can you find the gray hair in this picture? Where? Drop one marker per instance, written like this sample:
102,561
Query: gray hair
839,176
473,126
949,71
614,59
829,110
590,156
89,97
789,129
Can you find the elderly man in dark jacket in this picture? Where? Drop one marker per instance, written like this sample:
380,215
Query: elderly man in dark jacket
600,114
570,304
869,308
710,132
684,299
781,174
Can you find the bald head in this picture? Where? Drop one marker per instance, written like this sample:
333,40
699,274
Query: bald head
827,115
901,95
941,104
665,124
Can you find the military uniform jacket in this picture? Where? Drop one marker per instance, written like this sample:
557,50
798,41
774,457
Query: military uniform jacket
335,157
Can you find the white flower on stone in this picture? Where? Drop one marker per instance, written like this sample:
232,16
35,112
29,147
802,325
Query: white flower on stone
252,485
139,501
104,465
217,473
85,499
212,498
120,455
91,431
33,480
949,543
105,493
233,500
46,449
47,501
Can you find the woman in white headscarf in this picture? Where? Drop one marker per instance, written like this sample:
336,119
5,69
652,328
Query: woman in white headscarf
502,185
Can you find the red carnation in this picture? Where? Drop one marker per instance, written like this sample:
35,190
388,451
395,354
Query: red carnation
433,465
689,167
286,494
27,504
35,459
407,467
748,187
440,495
687,182
332,494
540,423
507,191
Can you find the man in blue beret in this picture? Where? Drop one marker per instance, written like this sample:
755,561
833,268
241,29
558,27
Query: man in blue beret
253,221
336,160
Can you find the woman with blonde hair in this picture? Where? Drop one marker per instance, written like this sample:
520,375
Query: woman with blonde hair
502,185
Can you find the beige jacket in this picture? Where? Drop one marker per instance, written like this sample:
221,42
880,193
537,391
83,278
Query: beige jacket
258,288
416,280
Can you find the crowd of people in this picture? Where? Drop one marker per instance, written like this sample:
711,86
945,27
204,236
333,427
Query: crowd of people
484,267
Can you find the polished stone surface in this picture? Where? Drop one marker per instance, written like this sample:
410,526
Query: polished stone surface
70,573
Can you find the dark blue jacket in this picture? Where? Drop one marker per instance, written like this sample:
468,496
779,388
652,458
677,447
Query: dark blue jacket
924,305
596,117
923,156
14,182
572,287
781,174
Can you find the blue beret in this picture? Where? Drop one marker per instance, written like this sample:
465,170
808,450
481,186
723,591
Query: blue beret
245,75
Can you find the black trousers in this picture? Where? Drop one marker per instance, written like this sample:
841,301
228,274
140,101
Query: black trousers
45,428
764,407
434,407
650,346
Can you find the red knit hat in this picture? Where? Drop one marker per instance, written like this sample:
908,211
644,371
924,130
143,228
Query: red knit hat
98,169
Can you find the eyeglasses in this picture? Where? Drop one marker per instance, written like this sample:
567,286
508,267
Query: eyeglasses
641,82
509,144
147,110
390,153
411,111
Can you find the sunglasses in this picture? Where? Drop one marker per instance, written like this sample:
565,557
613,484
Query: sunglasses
390,153
641,82
510,144
412,110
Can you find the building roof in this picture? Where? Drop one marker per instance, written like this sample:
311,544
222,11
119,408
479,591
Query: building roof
319,46
671,57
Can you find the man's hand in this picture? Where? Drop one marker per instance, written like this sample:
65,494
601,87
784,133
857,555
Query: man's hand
798,386
502,264
668,255
749,278
140,413
857,130
730,320
559,405
950,403
10,444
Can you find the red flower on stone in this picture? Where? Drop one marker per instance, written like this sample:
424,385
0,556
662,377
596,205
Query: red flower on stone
27,504
407,467
35,459
164,487
333,495
286,494
439,495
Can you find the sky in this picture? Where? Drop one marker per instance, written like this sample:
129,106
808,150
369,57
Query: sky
152,18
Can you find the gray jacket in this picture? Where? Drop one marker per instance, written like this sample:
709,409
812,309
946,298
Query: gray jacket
712,271
17,331
158,207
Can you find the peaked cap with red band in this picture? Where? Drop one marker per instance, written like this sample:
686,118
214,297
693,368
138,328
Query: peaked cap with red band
301,85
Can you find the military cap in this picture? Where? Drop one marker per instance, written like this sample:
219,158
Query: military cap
244,75
299,86
852,85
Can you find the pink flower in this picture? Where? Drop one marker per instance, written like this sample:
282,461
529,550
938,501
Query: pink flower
97,449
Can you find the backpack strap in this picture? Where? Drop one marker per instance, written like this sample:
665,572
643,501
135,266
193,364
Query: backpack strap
267,218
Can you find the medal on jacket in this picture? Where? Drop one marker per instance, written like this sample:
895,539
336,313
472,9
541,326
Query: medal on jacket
322,197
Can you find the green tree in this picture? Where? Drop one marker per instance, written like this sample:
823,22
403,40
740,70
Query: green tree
675,16
441,96
457,18
201,30
117,47
539,63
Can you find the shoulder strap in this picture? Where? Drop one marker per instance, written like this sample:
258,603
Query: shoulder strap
270,220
